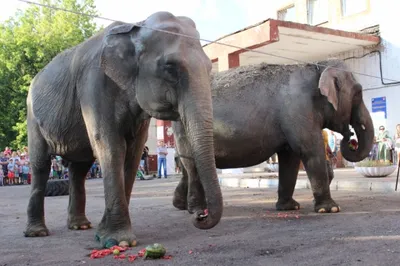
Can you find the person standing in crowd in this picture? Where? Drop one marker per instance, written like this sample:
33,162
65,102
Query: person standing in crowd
397,143
7,151
144,162
21,164
2,183
162,153
59,167
25,151
328,155
54,168
333,146
373,154
25,172
4,164
178,167
384,144
10,171
17,179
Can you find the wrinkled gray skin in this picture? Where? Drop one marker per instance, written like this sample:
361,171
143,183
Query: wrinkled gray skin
95,100
263,109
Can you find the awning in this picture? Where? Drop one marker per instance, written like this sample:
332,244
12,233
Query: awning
286,39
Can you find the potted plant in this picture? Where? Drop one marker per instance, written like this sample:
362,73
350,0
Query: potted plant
375,168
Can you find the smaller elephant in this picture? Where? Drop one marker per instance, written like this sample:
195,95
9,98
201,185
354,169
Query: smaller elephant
264,109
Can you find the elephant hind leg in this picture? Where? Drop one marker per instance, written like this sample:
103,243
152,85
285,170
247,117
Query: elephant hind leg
77,195
289,164
40,165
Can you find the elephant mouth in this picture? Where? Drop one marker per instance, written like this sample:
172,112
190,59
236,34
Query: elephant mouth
168,115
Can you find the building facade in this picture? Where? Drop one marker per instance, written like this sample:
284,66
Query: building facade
361,32
378,57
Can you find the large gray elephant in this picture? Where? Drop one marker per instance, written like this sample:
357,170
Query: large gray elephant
263,109
96,99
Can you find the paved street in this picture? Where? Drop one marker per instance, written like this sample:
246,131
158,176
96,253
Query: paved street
345,179
366,232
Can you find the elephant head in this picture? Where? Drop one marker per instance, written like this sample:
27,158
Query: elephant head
167,75
344,93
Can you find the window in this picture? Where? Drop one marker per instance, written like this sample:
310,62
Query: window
288,14
317,11
351,7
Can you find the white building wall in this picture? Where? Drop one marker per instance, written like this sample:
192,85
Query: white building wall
386,18
152,138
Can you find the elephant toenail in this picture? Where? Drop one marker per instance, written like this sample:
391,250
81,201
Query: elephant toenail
334,209
124,244
322,210
134,243
83,227
111,242
75,227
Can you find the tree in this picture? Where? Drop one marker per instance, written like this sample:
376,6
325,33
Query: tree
28,42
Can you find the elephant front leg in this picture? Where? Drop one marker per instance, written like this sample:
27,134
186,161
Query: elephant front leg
40,165
317,172
77,196
289,164
115,227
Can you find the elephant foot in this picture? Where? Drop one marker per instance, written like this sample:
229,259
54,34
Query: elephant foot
36,230
326,206
79,223
121,237
287,205
179,202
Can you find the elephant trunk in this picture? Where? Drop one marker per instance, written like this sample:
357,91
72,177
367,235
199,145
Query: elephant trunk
196,113
362,123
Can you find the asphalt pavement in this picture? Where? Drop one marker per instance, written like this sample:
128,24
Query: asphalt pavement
251,232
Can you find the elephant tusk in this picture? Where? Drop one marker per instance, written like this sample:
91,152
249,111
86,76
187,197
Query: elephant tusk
362,126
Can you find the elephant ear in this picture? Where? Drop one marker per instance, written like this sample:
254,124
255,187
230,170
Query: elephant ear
327,86
119,55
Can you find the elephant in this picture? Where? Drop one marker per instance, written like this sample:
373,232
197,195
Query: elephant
264,109
95,100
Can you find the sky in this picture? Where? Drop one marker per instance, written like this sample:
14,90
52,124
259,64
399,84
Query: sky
213,18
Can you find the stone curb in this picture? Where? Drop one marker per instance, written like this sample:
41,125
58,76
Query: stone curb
376,186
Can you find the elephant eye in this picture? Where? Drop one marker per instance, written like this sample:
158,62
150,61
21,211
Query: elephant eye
171,69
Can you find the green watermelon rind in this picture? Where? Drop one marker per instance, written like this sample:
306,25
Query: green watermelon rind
155,251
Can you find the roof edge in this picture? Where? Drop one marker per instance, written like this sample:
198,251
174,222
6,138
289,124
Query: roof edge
307,27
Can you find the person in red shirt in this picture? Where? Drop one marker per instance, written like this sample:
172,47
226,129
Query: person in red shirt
7,151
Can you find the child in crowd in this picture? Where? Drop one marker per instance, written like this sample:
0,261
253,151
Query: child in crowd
11,174
2,176
25,172
17,179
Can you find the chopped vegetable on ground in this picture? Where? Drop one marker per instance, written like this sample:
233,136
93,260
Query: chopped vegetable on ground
155,251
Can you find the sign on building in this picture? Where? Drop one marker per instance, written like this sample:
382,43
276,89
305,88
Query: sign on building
379,105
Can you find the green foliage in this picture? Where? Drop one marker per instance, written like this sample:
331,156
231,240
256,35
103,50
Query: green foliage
373,163
28,42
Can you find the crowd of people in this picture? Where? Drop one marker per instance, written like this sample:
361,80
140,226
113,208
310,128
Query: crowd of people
386,148
16,170
15,166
